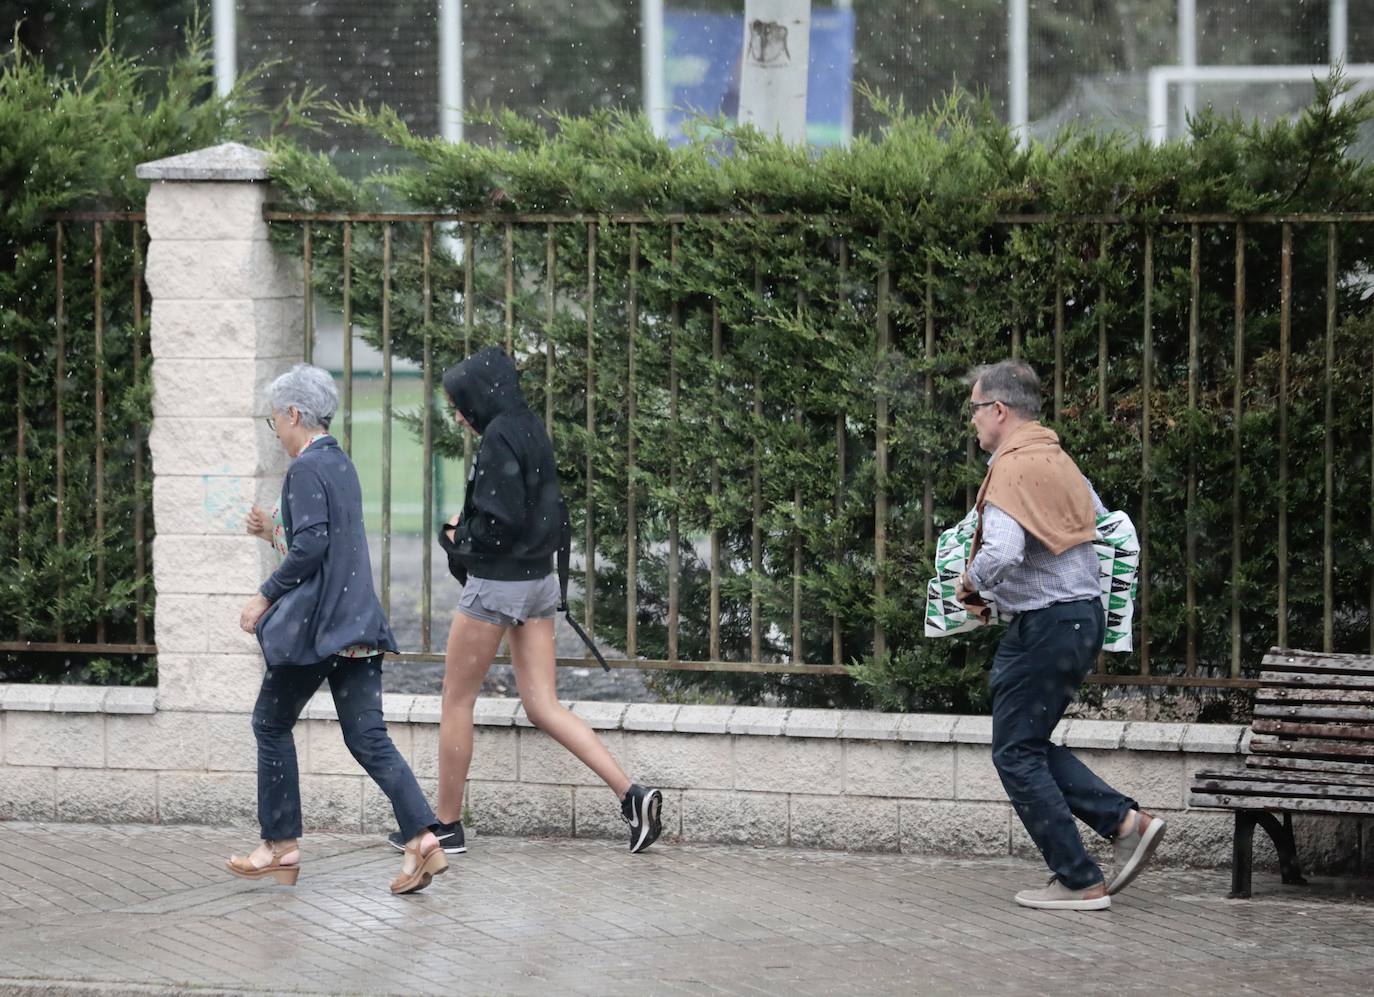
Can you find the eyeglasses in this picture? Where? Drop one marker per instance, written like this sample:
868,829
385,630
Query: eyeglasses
271,421
973,407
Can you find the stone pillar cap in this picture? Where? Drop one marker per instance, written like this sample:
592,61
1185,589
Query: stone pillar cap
230,161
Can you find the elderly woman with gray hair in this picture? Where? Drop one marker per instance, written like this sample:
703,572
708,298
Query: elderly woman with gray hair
317,617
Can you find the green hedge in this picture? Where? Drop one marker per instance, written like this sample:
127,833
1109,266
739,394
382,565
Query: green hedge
794,276
71,143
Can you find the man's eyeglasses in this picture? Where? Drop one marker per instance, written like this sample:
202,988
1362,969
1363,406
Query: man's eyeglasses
973,407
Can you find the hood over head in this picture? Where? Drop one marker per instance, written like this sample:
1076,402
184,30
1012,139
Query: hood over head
483,386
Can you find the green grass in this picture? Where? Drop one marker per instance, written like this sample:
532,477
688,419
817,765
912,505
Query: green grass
407,458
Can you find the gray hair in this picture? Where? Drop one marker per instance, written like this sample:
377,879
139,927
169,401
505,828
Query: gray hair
309,390
1014,383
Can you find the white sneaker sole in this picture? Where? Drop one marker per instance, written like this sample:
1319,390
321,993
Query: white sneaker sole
448,849
650,820
1099,903
1149,841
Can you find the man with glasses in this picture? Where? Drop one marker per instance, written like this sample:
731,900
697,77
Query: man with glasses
1033,554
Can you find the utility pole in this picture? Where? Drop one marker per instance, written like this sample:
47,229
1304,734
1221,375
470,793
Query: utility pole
225,45
774,67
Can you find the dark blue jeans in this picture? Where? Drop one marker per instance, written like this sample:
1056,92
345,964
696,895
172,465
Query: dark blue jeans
1036,673
356,684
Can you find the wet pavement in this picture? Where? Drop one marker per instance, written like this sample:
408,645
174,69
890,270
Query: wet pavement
114,910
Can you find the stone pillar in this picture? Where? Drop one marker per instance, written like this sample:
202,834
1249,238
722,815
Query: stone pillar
226,318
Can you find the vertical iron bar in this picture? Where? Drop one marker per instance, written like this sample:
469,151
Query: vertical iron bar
1015,305
309,295
1146,388
715,485
20,448
59,415
1102,318
1236,414
386,419
1189,515
797,651
510,289
589,548
348,337
1328,449
100,429
468,266
631,511
756,507
928,495
550,294
1285,332
1058,344
674,552
836,636
880,453
426,585
140,528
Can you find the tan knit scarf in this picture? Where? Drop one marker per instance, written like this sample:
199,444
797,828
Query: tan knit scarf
1037,484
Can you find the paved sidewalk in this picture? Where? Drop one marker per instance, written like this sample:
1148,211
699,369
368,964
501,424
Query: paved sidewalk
148,910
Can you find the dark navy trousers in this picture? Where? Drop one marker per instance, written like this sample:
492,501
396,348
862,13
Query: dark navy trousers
1036,673
356,684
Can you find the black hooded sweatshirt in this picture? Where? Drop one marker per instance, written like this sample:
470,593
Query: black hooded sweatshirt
513,514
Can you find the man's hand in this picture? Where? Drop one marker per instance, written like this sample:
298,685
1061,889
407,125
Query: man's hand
252,612
961,588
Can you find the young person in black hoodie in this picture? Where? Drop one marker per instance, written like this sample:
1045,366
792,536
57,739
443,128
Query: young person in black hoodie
502,548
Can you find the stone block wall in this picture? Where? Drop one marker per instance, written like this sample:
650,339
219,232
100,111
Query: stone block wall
915,784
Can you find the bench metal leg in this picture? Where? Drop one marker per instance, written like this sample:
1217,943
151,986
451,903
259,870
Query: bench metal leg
1243,850
1286,846
1242,854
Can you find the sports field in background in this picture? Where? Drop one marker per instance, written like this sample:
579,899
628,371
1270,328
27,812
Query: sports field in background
407,457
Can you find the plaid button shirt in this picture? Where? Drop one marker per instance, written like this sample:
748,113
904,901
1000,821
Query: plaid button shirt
1021,574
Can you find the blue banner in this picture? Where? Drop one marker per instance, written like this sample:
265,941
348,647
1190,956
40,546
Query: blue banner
702,68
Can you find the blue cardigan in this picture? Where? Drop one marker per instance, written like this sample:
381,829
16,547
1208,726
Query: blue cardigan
321,594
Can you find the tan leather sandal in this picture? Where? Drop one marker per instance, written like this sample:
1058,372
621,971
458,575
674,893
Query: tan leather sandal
427,866
286,874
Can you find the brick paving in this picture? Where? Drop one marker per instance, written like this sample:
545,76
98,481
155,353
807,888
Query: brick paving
116,910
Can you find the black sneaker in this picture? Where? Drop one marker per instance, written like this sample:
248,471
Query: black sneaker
450,838
641,809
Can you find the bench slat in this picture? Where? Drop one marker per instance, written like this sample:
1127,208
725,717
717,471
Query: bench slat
1347,767
1301,790
1352,697
1334,731
1279,658
1292,775
1231,801
1299,712
1268,744
1329,680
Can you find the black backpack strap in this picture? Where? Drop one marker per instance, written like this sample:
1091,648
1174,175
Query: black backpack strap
564,556
564,561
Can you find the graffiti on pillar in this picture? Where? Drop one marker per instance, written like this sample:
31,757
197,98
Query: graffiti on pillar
768,43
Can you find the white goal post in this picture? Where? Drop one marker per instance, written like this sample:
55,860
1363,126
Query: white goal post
1161,77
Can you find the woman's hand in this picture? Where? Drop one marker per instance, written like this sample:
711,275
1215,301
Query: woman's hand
258,524
453,523
252,612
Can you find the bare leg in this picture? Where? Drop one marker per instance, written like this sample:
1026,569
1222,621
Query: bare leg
471,646
532,654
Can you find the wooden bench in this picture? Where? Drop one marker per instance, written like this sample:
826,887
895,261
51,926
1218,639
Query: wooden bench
1311,752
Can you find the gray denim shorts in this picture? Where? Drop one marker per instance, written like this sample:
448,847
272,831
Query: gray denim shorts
509,604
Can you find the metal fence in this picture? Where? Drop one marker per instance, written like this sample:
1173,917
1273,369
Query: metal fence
467,227
103,230
1197,230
